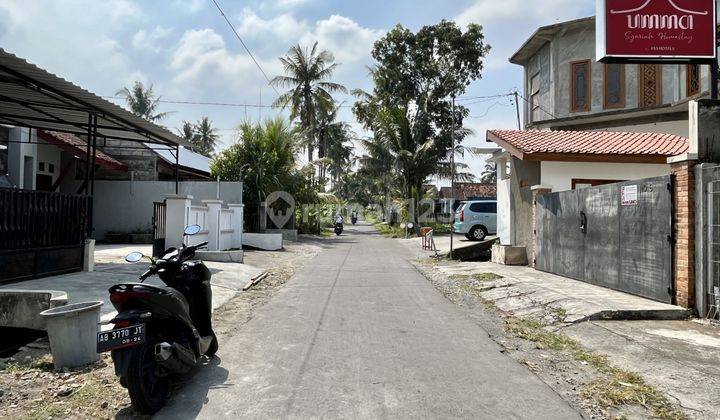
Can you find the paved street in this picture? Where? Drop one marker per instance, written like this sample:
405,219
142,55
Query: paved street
359,333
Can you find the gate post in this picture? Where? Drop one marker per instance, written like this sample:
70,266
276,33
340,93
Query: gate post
682,168
213,223
536,190
238,210
176,214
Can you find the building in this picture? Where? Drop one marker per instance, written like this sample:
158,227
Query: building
566,89
464,191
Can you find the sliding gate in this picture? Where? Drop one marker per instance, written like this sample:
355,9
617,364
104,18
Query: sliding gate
617,236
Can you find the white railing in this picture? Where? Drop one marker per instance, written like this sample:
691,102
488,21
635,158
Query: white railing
220,227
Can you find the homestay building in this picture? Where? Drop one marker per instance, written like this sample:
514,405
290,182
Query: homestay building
605,184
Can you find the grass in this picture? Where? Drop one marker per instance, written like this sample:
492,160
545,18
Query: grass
327,232
617,387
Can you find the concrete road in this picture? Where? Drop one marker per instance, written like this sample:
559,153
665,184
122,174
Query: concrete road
359,333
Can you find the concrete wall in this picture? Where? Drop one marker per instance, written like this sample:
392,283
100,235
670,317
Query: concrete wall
559,175
679,128
515,201
127,206
48,154
22,157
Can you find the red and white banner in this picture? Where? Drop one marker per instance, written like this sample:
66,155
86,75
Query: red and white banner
656,30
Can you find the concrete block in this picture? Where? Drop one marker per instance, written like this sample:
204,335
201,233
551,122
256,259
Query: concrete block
21,308
265,241
221,256
509,255
287,234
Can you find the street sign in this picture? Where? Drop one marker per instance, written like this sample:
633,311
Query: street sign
656,31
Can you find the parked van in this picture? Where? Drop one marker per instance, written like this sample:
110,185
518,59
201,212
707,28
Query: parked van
476,219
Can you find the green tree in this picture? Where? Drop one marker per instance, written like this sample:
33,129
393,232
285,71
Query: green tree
142,101
307,75
409,110
205,137
187,131
263,158
489,173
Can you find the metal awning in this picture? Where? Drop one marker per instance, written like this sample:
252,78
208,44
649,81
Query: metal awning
32,97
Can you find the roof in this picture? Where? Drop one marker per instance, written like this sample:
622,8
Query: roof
33,97
606,146
542,36
469,190
78,148
188,158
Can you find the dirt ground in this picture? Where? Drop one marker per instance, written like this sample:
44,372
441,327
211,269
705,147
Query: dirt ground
586,380
30,388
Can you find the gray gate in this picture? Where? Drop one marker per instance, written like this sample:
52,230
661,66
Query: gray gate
617,236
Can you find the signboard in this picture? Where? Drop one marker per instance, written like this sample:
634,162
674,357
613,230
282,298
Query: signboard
656,31
629,195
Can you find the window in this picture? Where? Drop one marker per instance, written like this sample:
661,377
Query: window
535,97
580,86
483,207
650,85
692,79
614,86
41,166
51,168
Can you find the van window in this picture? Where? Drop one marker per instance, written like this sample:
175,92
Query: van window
483,207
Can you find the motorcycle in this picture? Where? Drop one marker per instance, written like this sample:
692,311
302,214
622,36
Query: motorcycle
161,332
338,228
353,219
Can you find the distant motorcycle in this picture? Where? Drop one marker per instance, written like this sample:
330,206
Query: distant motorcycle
353,219
338,228
161,332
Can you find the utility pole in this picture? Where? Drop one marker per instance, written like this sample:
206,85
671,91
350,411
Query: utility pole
517,109
452,177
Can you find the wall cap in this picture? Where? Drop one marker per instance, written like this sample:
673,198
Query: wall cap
178,197
212,201
236,205
685,157
541,187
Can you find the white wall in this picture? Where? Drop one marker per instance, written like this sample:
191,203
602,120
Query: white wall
559,175
20,150
48,154
678,128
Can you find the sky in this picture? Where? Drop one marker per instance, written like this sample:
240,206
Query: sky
186,50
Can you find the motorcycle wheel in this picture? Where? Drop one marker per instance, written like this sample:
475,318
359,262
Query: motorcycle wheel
148,392
213,347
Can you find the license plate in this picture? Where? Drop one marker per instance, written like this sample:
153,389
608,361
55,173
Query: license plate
120,337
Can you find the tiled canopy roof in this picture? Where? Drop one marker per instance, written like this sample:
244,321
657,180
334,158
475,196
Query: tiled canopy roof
525,144
78,147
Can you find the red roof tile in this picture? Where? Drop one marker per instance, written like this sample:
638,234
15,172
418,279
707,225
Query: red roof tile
78,147
590,142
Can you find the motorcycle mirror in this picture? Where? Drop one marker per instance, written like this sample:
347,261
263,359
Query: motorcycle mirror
134,257
192,230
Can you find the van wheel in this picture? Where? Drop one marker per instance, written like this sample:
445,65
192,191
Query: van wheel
478,233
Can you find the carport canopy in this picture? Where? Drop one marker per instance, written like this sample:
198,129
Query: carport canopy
35,98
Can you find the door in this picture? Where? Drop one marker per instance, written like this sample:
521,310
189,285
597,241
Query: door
615,236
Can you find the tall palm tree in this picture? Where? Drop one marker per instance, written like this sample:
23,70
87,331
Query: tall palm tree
187,131
205,137
142,101
489,173
307,75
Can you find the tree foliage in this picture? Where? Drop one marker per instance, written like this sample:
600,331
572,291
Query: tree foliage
142,101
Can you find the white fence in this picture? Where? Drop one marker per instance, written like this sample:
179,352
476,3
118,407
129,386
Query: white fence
220,227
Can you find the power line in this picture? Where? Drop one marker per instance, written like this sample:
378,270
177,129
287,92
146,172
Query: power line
538,105
245,46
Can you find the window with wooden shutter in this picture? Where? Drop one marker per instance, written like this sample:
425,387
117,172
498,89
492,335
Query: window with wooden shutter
535,97
692,79
614,86
580,86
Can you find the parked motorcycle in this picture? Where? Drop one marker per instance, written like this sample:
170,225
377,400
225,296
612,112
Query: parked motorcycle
161,332
338,228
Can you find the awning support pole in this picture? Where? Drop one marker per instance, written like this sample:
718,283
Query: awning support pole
94,151
177,174
87,154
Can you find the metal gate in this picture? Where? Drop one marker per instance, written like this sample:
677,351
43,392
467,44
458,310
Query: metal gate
617,236
158,222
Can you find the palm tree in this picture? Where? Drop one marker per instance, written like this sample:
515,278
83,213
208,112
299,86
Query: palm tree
489,173
187,131
142,102
307,75
205,137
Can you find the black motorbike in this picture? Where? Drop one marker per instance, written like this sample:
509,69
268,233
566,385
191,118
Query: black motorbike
353,219
338,228
161,332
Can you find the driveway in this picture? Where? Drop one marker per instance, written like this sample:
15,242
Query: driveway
360,333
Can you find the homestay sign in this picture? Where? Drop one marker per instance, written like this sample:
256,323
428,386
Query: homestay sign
656,30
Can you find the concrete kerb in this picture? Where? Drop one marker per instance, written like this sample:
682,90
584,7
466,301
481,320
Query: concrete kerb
20,308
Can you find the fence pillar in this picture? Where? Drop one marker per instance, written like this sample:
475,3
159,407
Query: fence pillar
177,208
238,210
682,168
536,190
214,207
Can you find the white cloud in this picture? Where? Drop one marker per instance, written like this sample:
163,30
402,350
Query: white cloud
283,28
349,41
190,6
149,41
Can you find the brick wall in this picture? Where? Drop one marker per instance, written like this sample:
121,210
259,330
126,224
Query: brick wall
684,230
535,193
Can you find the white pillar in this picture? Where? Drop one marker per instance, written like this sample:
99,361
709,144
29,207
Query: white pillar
213,226
177,209
238,210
